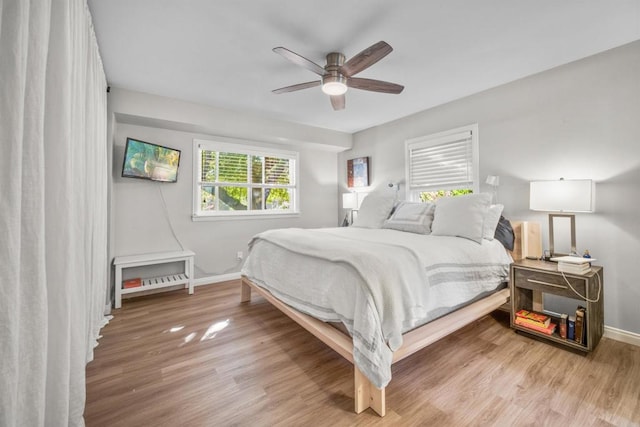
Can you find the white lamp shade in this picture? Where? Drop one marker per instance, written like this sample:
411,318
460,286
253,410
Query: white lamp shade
493,180
577,195
349,200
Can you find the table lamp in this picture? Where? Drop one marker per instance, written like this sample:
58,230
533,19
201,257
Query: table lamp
563,195
349,201
494,182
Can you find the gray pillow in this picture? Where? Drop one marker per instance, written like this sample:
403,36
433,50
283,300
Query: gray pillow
413,217
461,216
504,233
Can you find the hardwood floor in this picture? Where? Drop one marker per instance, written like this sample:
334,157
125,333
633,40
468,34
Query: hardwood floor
206,360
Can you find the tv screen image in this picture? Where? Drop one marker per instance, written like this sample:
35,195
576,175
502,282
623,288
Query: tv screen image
150,161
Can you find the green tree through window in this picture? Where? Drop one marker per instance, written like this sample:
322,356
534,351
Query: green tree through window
231,181
430,196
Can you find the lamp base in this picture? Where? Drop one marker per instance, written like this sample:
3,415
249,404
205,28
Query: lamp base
558,220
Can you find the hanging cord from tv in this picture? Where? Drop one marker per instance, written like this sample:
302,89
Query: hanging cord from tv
582,296
175,236
166,215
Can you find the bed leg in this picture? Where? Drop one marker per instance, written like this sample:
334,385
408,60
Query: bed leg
366,395
245,292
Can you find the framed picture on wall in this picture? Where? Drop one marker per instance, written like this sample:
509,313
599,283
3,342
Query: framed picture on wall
358,172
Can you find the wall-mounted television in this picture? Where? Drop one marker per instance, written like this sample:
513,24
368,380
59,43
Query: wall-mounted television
150,161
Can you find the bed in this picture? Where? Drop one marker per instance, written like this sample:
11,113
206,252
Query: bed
404,276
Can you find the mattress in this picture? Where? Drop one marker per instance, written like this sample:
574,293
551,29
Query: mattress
379,283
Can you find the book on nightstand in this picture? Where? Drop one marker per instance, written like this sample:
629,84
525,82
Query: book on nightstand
573,264
533,318
581,326
571,259
547,330
574,268
563,326
571,328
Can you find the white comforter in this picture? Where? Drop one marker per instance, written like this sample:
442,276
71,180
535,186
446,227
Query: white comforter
380,283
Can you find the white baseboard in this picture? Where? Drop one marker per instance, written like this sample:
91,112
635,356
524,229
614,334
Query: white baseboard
216,279
621,335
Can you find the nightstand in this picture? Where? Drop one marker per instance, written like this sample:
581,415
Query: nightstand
530,279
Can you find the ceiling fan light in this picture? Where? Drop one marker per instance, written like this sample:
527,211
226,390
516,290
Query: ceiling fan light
334,85
334,88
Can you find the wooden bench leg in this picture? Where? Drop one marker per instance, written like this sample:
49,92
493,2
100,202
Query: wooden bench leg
366,395
245,292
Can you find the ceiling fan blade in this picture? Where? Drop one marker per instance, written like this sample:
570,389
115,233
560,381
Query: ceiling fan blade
374,85
299,86
338,102
366,58
300,60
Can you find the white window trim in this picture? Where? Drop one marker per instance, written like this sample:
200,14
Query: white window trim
241,147
433,139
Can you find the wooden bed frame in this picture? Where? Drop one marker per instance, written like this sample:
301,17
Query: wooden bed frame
366,395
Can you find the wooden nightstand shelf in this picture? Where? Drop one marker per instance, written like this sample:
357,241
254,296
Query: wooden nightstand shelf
530,279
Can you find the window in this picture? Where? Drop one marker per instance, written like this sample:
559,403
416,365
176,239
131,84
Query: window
240,180
443,164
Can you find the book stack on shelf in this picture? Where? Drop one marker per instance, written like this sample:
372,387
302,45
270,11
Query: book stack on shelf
573,264
535,321
574,327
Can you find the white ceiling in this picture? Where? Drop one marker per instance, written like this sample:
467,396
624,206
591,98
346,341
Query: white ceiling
219,53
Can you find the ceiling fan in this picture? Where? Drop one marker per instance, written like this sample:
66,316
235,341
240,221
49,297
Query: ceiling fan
337,75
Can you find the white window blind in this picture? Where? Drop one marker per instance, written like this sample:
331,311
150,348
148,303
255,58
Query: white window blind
442,162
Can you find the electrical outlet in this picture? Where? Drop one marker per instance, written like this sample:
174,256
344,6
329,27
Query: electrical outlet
240,256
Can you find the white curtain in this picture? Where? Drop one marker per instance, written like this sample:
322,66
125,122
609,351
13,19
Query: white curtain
53,207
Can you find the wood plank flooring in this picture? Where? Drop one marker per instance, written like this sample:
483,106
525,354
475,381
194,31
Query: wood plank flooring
206,360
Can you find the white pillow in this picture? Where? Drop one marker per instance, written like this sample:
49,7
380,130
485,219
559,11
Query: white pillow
374,210
491,221
461,216
413,217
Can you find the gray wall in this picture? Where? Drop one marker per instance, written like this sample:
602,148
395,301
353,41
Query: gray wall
139,221
581,120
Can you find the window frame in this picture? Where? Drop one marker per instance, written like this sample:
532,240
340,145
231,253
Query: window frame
448,136
227,145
